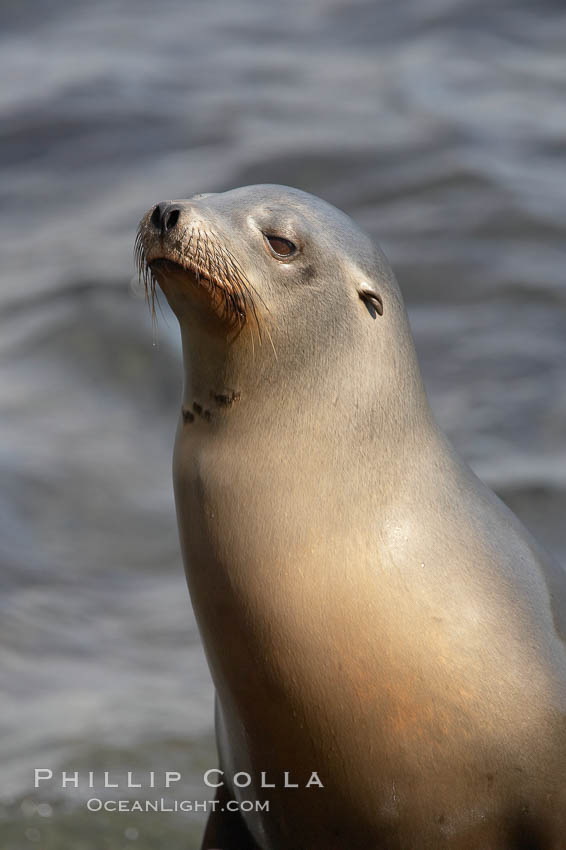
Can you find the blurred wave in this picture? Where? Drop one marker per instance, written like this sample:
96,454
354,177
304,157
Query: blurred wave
439,125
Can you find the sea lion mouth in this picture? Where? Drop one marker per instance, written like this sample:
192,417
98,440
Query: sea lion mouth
167,265
164,267
196,258
188,274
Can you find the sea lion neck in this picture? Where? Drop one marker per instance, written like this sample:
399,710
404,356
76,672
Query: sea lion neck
246,385
214,372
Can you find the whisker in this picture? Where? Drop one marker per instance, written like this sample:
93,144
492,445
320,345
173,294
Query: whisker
215,268
271,341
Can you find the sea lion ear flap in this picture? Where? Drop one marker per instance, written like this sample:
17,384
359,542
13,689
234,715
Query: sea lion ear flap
371,298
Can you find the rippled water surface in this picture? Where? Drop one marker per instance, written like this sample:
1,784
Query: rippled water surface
439,125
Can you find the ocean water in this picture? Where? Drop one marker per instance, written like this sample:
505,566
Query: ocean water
439,125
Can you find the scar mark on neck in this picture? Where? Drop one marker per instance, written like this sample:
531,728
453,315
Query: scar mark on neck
198,410
226,399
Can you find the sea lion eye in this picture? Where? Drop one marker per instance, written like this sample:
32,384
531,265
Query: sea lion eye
279,246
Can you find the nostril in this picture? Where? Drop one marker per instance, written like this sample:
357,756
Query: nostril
171,219
165,216
157,214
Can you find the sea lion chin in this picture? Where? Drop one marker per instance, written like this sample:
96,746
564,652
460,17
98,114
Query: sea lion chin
369,609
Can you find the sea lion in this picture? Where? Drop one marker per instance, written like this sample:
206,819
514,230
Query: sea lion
369,609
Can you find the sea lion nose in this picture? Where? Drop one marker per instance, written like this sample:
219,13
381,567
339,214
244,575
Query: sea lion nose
165,216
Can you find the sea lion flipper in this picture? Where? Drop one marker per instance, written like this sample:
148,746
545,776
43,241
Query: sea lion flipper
226,830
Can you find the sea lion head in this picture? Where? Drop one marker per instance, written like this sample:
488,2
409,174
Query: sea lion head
272,275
